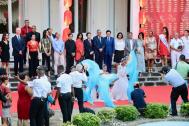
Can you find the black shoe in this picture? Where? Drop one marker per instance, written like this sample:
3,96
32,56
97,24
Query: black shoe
174,114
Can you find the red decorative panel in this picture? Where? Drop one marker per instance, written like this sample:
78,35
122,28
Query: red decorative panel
154,14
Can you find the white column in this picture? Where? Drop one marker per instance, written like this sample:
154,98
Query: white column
111,15
10,17
44,17
25,13
134,18
61,17
20,12
10,23
76,16
89,19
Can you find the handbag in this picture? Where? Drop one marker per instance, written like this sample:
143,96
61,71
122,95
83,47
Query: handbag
7,104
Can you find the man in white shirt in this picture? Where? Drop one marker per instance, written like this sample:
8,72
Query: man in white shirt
79,77
41,88
176,49
64,85
179,87
185,40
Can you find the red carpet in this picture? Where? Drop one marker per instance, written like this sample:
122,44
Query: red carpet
155,94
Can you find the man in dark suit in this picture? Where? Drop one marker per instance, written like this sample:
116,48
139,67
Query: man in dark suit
98,44
88,45
109,50
18,46
33,32
70,53
130,44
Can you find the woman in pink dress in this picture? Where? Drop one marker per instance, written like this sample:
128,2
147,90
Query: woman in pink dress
119,90
24,100
163,45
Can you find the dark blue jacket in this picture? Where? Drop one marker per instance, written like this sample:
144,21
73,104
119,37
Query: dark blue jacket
97,44
17,45
109,46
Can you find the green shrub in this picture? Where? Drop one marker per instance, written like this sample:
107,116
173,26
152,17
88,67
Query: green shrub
184,110
126,113
86,119
68,124
106,115
155,111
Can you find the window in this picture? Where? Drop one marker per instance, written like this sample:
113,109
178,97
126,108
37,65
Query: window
4,15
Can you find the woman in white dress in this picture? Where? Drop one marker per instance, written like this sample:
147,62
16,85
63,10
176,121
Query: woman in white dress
140,53
119,90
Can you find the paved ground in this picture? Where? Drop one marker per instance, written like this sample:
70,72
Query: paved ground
56,120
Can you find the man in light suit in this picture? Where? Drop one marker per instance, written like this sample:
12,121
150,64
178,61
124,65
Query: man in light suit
109,50
18,45
130,44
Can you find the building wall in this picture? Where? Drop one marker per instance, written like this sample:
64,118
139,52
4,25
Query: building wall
108,14
37,12
102,14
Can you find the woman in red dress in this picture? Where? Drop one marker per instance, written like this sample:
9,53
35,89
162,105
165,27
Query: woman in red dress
163,45
79,48
24,100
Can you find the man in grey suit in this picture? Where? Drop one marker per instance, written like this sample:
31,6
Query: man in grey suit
130,44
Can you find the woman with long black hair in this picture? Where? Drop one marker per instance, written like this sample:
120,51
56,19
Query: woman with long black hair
163,46
46,46
4,51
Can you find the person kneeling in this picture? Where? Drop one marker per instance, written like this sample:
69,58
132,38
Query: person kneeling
138,96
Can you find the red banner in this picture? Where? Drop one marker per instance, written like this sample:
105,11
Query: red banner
155,14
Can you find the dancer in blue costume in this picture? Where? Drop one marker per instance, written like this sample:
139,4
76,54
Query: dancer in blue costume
105,79
131,70
93,78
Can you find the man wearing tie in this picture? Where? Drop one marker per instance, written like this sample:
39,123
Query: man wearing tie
88,45
98,44
18,46
130,44
109,50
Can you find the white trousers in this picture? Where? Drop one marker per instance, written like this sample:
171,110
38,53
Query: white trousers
175,58
58,60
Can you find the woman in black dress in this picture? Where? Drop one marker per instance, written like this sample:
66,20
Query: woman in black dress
4,51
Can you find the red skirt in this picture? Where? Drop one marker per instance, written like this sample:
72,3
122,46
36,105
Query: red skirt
23,108
163,50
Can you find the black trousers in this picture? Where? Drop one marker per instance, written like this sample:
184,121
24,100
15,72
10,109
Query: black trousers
176,92
37,110
79,96
99,58
65,102
69,63
33,63
24,55
18,61
46,115
46,61
108,62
